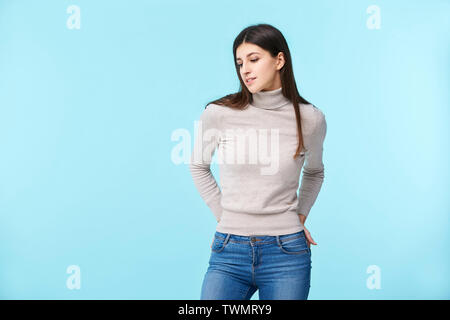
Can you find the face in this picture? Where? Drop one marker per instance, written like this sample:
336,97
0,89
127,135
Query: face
255,62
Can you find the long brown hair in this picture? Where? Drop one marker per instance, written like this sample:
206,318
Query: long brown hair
272,40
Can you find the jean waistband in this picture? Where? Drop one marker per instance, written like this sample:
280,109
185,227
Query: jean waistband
262,238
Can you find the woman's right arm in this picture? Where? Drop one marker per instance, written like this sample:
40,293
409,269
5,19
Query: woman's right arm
205,144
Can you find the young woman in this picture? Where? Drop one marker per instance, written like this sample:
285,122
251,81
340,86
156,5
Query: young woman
264,134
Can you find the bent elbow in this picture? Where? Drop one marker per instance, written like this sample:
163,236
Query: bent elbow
315,173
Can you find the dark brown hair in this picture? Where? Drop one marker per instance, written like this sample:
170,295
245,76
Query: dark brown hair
272,40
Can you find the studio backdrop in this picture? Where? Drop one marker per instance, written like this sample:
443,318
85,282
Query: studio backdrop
98,104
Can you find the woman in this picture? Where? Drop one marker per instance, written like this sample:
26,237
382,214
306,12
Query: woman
264,134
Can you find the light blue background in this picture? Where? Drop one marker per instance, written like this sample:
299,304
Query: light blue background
86,118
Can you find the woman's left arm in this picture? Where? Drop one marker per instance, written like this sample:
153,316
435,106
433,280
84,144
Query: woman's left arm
307,234
313,171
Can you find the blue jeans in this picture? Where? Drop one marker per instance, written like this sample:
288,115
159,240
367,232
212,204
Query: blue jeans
278,266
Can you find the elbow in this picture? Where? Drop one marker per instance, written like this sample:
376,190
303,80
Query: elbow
199,170
314,174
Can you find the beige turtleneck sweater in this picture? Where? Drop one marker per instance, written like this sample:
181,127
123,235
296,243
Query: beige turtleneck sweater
258,176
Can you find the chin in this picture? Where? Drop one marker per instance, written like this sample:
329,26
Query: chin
252,89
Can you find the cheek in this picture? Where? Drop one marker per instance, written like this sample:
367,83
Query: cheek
265,70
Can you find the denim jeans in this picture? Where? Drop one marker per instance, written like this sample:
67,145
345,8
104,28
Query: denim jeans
278,266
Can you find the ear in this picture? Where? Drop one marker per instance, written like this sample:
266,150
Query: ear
280,60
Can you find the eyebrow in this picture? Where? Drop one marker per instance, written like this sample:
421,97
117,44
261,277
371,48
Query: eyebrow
247,55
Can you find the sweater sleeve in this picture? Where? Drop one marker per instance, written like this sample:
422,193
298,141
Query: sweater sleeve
205,144
313,169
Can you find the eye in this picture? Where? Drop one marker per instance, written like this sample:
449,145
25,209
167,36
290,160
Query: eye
253,60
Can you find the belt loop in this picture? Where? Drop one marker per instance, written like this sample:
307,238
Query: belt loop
278,240
227,238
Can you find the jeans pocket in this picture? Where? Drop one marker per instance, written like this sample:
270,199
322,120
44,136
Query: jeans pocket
218,244
296,245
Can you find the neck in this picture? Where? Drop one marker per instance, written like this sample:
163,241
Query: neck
271,99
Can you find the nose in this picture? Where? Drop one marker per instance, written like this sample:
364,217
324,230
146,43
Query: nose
244,68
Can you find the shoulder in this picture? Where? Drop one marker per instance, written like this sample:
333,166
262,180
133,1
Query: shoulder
212,114
212,107
211,110
313,118
216,110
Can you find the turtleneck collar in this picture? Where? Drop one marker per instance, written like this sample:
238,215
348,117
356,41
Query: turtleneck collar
272,99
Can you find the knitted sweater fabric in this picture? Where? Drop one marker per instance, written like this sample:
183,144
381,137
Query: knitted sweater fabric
258,175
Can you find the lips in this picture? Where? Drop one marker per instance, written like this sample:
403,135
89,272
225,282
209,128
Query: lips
249,79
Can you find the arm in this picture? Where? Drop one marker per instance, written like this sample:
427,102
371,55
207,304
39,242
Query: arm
313,169
206,142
